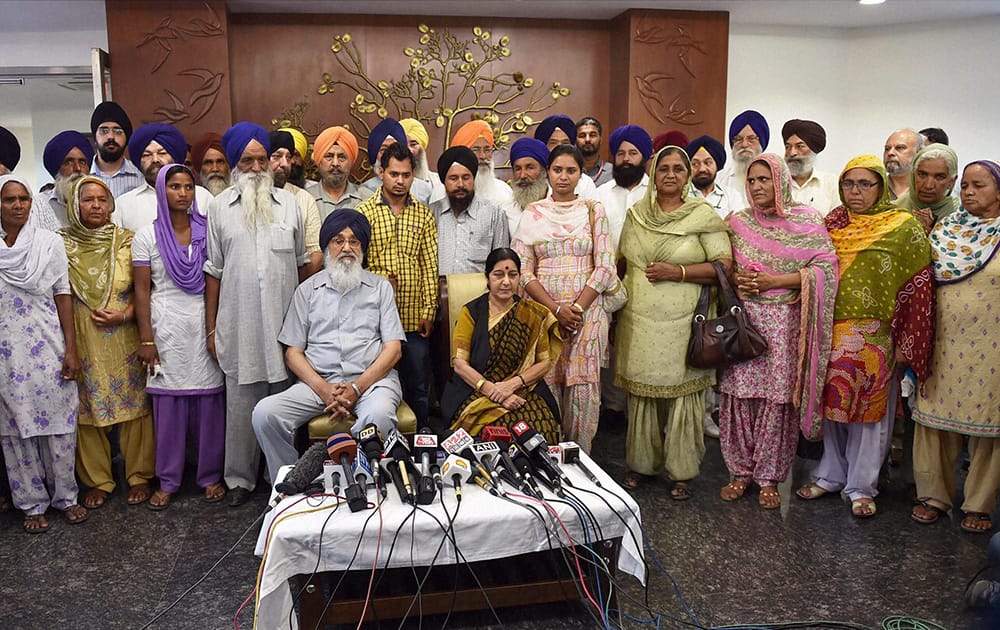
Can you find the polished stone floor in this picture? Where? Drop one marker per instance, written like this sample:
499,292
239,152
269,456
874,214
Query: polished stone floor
734,563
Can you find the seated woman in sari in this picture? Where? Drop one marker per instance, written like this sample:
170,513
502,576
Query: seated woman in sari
504,347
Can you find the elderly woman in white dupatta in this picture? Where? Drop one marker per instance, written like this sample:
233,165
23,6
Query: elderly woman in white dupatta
959,399
38,402
787,277
669,241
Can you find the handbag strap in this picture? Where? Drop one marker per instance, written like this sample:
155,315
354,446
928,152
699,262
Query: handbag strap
727,295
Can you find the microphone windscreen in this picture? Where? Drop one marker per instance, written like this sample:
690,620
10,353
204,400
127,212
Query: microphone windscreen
341,444
309,466
498,434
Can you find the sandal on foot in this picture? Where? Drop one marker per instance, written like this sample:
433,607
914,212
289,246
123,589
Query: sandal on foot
159,501
924,512
75,514
680,491
215,493
633,480
810,492
733,490
770,498
94,498
138,494
863,508
977,523
36,524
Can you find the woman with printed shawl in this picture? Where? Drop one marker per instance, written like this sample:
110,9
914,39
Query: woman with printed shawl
883,321
787,277
959,397
668,242
932,177
504,347
112,378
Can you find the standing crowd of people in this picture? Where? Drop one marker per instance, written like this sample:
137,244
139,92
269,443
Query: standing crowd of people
168,300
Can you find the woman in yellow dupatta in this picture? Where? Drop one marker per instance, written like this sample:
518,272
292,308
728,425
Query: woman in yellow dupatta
504,347
112,379
668,242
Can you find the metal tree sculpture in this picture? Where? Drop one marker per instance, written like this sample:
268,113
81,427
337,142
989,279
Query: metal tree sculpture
447,79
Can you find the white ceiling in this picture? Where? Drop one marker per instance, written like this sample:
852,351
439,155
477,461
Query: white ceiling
88,15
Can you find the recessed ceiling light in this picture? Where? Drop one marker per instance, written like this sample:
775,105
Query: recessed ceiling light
871,1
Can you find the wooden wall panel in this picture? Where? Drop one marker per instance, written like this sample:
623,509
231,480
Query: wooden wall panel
675,64
170,62
279,60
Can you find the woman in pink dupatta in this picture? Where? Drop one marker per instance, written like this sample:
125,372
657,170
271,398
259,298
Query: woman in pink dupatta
786,273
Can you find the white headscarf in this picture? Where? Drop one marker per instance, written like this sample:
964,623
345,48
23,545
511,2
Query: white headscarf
38,258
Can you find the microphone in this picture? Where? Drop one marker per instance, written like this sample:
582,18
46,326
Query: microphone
396,448
342,448
458,470
535,446
521,464
370,441
331,477
392,472
498,434
461,443
363,472
571,455
425,449
301,476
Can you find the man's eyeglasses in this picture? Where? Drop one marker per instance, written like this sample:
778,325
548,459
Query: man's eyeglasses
107,131
340,241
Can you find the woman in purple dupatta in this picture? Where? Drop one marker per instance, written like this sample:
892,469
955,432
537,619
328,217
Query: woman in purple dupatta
786,273
185,384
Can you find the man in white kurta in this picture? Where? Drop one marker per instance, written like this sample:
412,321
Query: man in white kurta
256,243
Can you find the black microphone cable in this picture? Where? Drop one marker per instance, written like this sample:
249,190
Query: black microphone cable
344,573
259,518
448,535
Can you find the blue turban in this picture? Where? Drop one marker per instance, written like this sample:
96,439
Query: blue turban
756,122
710,144
633,134
388,127
557,121
59,146
338,220
10,149
529,147
167,136
237,137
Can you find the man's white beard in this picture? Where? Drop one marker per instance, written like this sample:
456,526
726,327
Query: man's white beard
216,183
344,271
802,165
485,180
255,196
64,186
524,195
422,170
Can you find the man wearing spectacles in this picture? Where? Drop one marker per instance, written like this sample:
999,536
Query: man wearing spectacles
748,137
112,130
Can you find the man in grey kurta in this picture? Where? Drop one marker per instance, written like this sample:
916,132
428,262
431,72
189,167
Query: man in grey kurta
251,274
343,337
469,226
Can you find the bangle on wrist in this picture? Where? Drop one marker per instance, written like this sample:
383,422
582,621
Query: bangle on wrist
576,307
123,317
210,333
558,307
683,273
357,391
523,383
479,385
147,343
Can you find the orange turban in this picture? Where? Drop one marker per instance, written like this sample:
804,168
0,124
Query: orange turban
335,135
472,131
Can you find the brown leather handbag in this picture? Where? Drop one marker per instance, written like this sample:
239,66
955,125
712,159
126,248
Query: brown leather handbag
727,339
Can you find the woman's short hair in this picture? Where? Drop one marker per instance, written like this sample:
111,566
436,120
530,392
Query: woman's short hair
565,149
499,255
